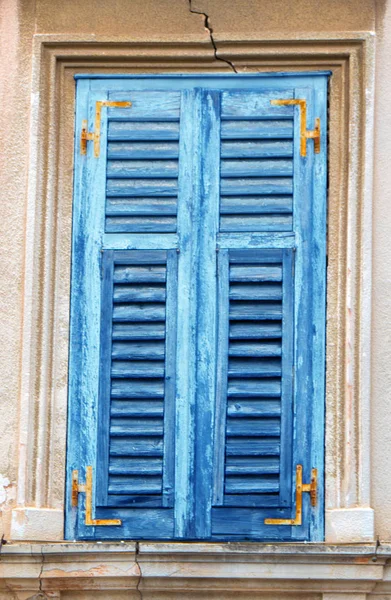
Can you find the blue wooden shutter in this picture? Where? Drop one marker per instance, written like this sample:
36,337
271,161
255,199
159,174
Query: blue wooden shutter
124,312
270,368
198,308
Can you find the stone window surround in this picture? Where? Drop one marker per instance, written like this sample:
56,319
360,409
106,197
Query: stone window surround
43,381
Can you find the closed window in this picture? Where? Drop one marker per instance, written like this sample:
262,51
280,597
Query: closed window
196,386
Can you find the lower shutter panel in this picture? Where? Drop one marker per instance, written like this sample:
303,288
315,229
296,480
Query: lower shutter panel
256,396
134,369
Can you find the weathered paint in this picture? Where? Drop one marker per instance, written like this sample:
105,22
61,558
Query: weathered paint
198,186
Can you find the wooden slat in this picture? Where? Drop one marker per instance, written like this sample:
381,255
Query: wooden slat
256,349
141,224
151,130
255,104
251,485
136,446
255,291
254,330
148,187
146,104
137,408
256,273
134,369
246,186
138,331
256,223
256,148
138,350
252,447
248,310
255,168
129,426
238,465
248,407
144,150
136,466
135,485
116,207
245,130
254,368
139,273
139,312
238,388
146,168
131,388
139,293
255,205
253,427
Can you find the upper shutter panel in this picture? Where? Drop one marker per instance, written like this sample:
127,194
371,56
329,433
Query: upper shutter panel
256,169
137,370
142,164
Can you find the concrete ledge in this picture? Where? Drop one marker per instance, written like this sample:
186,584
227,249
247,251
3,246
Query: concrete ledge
164,570
350,525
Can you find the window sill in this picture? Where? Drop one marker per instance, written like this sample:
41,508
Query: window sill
237,567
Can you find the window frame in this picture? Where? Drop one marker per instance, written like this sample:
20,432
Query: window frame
349,298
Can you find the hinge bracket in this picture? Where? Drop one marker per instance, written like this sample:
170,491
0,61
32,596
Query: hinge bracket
305,133
87,136
300,488
86,488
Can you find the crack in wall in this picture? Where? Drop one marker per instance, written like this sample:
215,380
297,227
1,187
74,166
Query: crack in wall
212,40
140,573
41,571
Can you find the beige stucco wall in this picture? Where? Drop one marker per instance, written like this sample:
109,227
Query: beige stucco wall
171,19
381,310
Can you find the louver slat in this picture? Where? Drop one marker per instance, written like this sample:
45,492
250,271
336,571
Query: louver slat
257,376
136,282
142,165
256,165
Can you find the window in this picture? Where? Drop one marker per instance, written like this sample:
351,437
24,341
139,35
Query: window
198,307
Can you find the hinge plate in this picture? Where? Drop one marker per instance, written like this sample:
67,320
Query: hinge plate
86,488
305,133
300,488
94,136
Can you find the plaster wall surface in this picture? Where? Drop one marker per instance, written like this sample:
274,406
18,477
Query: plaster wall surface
172,19
381,308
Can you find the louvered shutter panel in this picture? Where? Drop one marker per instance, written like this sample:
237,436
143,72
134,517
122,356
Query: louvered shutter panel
258,388
137,376
142,164
256,189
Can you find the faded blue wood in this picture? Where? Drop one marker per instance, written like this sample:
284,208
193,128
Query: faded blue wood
170,379
222,375
188,203
287,379
153,521
75,454
207,223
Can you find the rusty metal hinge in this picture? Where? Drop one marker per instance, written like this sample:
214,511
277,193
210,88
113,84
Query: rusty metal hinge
300,488
305,133
86,488
94,136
